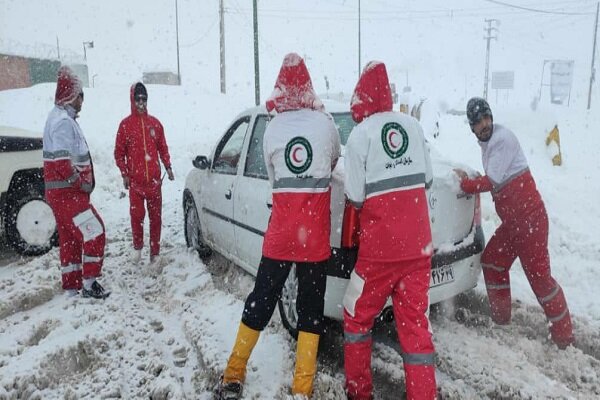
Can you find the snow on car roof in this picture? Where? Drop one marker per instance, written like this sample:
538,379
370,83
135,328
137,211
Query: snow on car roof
331,106
18,132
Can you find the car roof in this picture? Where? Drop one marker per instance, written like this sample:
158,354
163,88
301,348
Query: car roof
18,132
331,106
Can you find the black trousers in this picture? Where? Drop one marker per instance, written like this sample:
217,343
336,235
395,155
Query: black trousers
272,274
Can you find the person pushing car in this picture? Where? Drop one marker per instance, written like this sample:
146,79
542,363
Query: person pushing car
387,169
301,148
523,232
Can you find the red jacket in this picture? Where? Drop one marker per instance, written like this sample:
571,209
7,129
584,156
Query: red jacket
140,142
514,201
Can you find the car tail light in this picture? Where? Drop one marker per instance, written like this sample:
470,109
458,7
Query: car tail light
350,226
477,213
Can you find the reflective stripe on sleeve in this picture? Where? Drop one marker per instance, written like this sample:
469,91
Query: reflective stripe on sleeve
57,185
81,159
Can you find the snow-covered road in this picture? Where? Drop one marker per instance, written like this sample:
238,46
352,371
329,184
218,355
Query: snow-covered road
166,330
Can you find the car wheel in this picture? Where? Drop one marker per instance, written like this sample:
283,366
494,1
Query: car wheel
30,223
287,303
193,233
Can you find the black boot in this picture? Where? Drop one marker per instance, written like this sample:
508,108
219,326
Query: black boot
96,291
228,391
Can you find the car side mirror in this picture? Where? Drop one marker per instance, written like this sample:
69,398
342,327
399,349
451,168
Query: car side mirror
201,162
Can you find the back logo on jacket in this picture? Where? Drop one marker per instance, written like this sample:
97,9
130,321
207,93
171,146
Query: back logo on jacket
298,155
394,139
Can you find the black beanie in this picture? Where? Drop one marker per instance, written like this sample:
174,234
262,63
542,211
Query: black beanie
139,89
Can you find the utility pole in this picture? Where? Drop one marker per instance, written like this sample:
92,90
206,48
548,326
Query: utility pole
222,43
256,69
177,35
57,48
359,62
593,73
488,37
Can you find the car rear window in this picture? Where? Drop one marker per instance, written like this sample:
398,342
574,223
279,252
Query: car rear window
255,163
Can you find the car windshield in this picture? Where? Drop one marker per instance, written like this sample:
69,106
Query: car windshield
344,124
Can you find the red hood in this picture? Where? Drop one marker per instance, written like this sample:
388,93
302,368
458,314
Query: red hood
372,93
293,88
134,110
68,86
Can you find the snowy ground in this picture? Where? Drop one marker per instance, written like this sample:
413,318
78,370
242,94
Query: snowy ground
165,332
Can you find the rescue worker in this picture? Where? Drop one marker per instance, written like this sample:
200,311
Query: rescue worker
139,148
387,168
69,181
301,148
523,232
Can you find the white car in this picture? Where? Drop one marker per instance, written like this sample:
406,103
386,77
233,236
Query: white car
227,201
26,219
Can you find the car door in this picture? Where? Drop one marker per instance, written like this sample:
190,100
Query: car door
252,205
218,188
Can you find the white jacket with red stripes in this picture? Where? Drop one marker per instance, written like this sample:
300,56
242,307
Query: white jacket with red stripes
387,168
67,160
301,148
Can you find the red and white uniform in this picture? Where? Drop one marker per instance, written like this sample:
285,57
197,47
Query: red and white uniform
69,180
300,147
523,233
387,168
140,147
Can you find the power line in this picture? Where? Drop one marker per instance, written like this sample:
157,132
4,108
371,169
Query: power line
389,15
535,9
201,37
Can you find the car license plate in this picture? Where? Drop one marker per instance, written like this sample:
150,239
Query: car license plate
442,275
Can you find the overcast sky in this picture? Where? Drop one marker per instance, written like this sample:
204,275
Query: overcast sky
423,42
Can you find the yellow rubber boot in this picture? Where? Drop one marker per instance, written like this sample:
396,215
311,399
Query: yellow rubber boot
306,363
244,343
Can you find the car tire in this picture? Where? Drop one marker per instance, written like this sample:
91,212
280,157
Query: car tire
287,303
30,224
192,230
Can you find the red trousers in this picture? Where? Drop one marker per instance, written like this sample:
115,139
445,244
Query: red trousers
371,283
528,240
153,197
80,235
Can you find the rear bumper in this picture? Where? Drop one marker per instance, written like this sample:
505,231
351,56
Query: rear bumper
465,262
341,263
